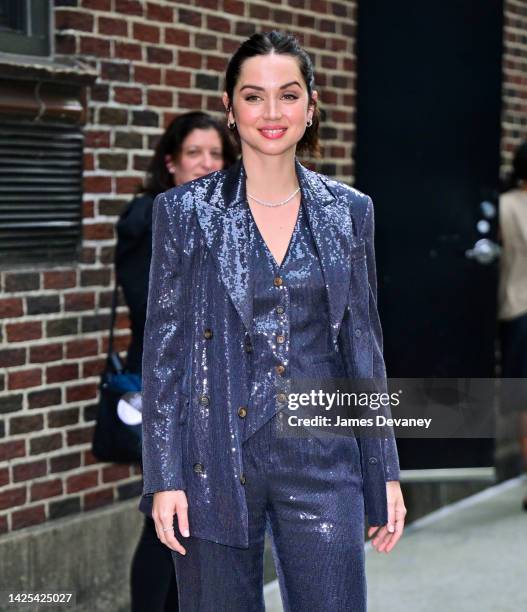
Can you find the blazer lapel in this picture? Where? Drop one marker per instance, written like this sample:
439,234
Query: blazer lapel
223,215
331,225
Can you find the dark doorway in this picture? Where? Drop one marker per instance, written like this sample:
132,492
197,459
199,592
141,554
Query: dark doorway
428,152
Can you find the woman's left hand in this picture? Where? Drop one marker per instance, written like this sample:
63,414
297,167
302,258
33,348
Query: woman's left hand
387,536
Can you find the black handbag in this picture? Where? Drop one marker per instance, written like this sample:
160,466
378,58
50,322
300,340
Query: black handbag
114,440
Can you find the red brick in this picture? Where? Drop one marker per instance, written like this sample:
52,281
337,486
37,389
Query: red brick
128,95
80,436
217,24
187,100
79,482
129,7
46,397
94,367
24,379
27,517
189,59
45,444
234,7
63,463
90,45
97,5
62,372
147,75
82,348
3,524
175,36
26,424
63,418
12,357
12,497
80,393
79,301
21,332
177,78
88,164
156,55
215,63
97,499
98,231
45,352
115,472
129,51
113,27
11,307
95,139
73,20
29,471
4,476
43,490
13,448
159,97
97,184
62,279
154,12
146,33
126,184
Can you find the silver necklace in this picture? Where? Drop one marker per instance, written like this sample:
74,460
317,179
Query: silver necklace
272,204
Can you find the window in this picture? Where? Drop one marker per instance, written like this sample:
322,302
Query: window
25,27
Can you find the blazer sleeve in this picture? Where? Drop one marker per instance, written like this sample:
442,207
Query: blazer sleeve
163,357
388,443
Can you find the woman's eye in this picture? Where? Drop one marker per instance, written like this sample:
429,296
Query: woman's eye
290,96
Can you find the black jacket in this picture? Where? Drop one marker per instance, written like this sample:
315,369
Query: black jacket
132,263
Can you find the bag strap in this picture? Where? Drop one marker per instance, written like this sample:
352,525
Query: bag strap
111,359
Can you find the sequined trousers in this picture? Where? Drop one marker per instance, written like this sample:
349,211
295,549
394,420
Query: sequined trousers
306,491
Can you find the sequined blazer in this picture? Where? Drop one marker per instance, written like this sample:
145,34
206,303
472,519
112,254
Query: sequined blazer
195,366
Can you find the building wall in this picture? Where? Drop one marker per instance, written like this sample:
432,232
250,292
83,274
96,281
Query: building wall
154,60
514,112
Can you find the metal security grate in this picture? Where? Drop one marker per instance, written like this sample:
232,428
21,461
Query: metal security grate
40,192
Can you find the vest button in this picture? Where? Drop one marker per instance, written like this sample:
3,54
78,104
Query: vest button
357,333
280,369
280,310
243,479
207,333
280,339
204,400
281,397
242,412
199,468
278,281
372,460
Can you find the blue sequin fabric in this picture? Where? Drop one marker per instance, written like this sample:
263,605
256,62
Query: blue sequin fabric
209,307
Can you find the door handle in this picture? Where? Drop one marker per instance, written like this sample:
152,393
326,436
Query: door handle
485,251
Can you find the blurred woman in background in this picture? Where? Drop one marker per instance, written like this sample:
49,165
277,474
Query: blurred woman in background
193,145
513,294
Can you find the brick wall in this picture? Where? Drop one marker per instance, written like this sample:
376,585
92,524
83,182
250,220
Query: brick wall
155,59
514,112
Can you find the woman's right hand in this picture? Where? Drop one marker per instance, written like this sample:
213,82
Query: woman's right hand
165,505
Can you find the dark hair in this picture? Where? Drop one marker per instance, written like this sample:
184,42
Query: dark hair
158,178
519,168
265,43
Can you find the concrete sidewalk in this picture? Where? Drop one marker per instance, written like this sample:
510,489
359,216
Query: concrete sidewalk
470,556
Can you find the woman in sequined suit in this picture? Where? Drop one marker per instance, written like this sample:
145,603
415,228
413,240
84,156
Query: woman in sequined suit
262,274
